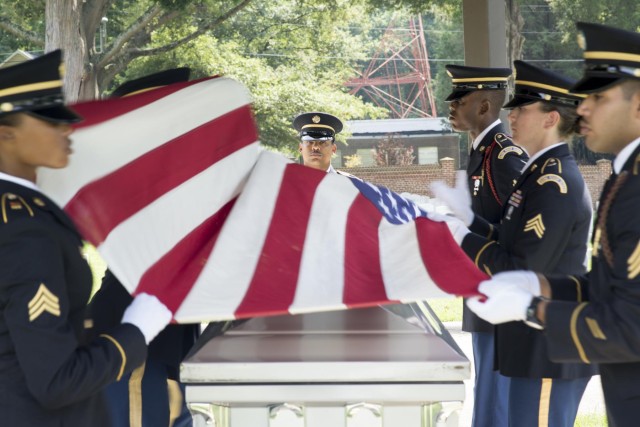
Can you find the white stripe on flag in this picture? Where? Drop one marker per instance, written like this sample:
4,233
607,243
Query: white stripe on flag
321,278
172,116
142,239
405,275
224,281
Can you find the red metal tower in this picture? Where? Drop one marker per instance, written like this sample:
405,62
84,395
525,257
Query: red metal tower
398,77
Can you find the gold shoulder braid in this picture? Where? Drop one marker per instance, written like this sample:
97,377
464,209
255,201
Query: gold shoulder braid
604,213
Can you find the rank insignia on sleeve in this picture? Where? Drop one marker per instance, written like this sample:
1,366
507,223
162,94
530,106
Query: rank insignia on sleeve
556,179
633,263
510,149
43,301
536,225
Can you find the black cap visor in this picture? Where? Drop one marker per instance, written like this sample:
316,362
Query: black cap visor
594,83
57,114
457,94
519,101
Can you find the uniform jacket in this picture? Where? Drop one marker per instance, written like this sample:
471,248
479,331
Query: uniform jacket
49,374
545,228
492,170
169,347
601,324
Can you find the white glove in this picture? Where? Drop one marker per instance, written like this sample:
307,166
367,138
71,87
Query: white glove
457,198
525,280
503,304
456,227
148,314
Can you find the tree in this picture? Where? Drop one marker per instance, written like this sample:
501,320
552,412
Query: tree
392,152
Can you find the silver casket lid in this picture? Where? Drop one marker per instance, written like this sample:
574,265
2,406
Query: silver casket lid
400,343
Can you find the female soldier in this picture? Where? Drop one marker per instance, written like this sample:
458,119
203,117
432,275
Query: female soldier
545,227
49,375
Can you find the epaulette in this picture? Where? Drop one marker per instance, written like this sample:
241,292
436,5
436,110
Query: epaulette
636,165
552,163
502,138
14,206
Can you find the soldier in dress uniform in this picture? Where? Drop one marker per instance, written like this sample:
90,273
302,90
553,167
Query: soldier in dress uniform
594,318
494,164
545,226
150,395
50,373
317,133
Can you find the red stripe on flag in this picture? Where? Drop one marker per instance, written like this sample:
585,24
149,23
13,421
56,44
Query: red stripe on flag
447,264
100,111
273,286
363,281
172,277
100,206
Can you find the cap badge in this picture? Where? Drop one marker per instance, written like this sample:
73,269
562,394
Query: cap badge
315,119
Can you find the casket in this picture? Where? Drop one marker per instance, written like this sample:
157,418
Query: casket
395,366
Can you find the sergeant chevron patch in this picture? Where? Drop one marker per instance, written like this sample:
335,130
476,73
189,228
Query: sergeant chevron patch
536,225
633,263
43,301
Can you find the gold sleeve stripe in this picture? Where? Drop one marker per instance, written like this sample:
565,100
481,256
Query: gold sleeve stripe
578,288
122,354
595,329
490,231
135,397
574,332
482,249
545,402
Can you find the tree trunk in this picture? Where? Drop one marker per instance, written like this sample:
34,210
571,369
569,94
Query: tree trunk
515,23
65,30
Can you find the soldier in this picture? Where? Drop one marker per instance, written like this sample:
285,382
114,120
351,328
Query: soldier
317,132
51,374
545,226
494,163
594,318
151,394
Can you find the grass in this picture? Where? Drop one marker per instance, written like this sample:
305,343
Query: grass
591,420
447,309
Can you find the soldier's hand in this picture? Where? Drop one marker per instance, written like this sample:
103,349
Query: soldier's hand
504,303
456,226
457,198
148,314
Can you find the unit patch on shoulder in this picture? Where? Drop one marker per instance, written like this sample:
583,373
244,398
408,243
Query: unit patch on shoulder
536,225
501,138
510,149
556,179
633,263
44,300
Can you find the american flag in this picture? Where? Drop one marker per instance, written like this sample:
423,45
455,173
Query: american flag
171,187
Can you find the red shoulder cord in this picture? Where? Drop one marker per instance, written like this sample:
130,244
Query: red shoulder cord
487,167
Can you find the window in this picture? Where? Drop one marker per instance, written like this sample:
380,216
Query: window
366,156
427,155
336,160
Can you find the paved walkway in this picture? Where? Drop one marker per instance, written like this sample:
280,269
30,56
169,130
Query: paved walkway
592,401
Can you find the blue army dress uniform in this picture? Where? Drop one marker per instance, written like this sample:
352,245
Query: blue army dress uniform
601,325
151,395
494,164
545,228
50,373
